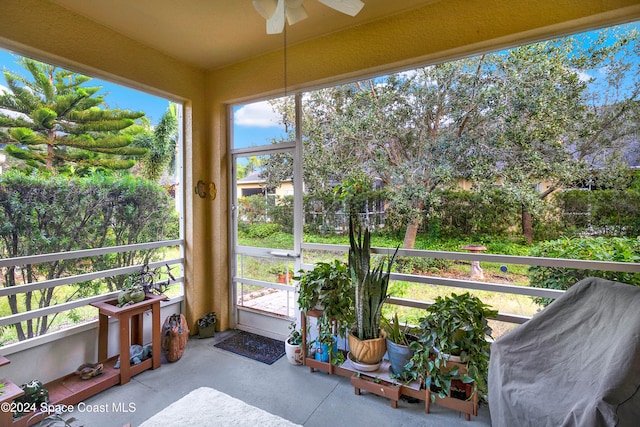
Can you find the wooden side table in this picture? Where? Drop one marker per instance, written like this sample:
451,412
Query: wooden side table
130,318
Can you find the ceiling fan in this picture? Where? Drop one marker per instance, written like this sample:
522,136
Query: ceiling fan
275,11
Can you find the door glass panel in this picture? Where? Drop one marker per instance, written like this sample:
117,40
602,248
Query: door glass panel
265,261
263,122
257,278
264,191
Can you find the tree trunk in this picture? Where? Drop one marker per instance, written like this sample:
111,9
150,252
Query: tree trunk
527,225
412,228
411,234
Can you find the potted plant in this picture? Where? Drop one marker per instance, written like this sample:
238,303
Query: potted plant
328,288
284,275
326,344
455,329
207,325
399,351
137,285
367,343
292,346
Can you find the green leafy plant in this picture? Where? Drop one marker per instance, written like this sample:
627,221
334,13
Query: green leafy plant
403,335
455,325
295,337
327,286
207,320
591,248
370,285
327,336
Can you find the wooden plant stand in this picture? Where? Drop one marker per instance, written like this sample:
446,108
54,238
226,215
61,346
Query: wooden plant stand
379,387
130,319
70,389
383,388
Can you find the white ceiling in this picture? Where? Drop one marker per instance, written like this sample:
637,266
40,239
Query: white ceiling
213,33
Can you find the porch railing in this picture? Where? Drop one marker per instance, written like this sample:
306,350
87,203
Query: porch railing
47,284
483,286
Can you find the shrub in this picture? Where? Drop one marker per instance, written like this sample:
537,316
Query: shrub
603,212
418,265
260,230
468,213
590,248
50,214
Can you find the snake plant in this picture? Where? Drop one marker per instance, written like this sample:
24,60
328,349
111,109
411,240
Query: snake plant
370,285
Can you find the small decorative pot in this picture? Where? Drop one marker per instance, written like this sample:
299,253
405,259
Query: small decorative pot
207,331
293,352
323,350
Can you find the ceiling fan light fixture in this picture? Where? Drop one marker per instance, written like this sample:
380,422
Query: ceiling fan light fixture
266,8
293,11
348,7
295,14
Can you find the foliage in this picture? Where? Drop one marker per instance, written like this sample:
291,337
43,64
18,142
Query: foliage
403,335
258,230
329,286
419,265
160,146
207,320
145,281
532,119
370,285
265,211
455,325
472,213
51,214
327,338
295,337
611,212
56,123
615,249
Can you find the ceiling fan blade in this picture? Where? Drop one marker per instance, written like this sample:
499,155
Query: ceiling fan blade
296,14
349,7
275,24
265,8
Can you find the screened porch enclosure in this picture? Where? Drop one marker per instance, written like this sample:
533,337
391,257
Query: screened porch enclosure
210,58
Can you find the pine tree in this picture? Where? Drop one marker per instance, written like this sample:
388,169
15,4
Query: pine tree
161,146
53,121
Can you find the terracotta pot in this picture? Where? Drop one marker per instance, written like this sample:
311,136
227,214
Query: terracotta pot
368,351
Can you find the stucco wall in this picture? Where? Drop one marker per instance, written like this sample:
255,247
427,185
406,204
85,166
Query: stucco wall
50,33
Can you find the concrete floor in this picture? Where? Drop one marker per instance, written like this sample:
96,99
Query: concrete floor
291,392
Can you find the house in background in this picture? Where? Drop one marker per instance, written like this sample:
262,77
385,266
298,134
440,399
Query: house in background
253,184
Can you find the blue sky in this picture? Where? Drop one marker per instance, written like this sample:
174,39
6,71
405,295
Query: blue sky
255,123
119,97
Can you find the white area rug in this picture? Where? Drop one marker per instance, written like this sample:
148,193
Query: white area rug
205,407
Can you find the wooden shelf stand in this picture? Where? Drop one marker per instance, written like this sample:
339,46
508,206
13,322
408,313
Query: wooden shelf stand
130,319
366,381
71,389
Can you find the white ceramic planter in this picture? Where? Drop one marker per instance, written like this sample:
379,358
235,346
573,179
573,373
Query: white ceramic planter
293,352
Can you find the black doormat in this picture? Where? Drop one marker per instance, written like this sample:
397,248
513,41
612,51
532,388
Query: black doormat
256,347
